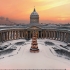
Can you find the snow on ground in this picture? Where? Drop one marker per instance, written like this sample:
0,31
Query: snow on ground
22,58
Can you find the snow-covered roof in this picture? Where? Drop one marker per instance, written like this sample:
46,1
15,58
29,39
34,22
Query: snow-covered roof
55,27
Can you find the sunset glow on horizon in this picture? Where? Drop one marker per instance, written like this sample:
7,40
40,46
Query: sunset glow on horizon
48,10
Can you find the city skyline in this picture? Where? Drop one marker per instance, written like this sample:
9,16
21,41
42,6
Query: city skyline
53,11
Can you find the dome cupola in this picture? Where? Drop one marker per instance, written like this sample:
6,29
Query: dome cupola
34,17
34,13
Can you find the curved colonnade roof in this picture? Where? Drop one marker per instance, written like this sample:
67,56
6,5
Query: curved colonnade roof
49,27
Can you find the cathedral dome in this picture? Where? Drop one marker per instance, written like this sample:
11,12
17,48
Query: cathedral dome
34,17
34,13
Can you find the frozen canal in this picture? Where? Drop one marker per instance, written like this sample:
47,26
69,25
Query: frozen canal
21,58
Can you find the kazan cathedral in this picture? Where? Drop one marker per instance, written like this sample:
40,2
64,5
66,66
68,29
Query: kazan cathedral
61,33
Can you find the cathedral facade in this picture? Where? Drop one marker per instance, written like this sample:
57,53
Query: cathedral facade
53,32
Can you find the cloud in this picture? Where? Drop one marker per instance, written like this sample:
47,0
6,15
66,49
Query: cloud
52,4
42,0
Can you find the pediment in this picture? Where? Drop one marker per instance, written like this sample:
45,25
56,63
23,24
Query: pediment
34,27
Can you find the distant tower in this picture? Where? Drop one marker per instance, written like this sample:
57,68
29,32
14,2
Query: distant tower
34,17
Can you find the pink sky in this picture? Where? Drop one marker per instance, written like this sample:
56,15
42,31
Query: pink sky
48,10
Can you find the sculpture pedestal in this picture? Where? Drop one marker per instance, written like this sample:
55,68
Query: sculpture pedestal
34,50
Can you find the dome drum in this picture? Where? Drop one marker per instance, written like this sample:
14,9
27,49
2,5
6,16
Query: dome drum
34,17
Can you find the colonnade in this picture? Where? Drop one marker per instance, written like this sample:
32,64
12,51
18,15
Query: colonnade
7,35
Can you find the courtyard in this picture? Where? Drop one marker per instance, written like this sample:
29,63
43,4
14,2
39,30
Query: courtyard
16,54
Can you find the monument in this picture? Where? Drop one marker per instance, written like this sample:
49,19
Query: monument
34,44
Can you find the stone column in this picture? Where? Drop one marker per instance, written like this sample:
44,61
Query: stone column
22,34
30,34
41,34
65,37
38,34
49,34
18,34
68,37
10,35
1,37
27,35
57,35
54,35
61,36
13,34
46,34
7,35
